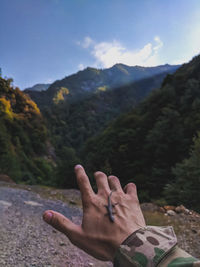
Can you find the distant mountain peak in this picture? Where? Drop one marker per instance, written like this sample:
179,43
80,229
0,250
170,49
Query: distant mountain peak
38,87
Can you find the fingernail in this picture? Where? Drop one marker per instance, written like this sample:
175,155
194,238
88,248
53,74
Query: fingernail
47,216
78,166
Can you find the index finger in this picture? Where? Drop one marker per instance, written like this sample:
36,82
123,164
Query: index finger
84,184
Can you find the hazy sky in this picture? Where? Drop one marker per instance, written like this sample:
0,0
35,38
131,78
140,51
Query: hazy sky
45,40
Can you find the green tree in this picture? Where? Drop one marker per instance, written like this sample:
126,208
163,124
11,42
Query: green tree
65,176
186,187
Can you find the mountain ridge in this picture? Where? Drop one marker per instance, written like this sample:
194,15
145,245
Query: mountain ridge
90,80
38,87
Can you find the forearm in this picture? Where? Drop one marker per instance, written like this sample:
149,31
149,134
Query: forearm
152,246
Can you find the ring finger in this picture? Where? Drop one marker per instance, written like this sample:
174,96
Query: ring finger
102,182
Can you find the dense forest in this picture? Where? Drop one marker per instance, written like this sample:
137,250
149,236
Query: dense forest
146,131
23,138
72,123
156,145
82,105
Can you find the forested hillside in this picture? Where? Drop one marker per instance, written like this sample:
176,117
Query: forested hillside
23,137
81,105
71,124
145,145
43,148
154,143
84,83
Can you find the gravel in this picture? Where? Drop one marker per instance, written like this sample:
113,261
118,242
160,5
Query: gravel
27,241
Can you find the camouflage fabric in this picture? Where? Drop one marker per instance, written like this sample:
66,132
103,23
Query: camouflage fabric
153,246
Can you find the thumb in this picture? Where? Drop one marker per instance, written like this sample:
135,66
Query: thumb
62,224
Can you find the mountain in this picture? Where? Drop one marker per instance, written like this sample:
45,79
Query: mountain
38,87
23,137
71,124
145,144
90,80
80,106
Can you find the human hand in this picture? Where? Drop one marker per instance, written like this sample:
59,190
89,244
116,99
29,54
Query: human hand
98,235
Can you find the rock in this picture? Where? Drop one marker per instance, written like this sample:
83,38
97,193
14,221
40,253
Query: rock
171,212
72,202
169,208
5,203
194,230
32,203
62,244
180,209
161,209
187,211
6,178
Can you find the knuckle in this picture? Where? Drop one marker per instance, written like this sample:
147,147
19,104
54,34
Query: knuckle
88,198
104,193
120,196
113,178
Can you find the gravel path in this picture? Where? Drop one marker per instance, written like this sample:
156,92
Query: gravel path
27,241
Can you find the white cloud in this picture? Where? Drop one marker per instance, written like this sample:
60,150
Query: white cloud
159,44
87,42
107,54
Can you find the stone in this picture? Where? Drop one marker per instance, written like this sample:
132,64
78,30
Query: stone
169,208
161,209
5,203
6,178
194,230
171,213
187,211
180,209
32,203
62,244
72,202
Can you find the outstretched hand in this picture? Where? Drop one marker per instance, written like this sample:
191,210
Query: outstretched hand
98,235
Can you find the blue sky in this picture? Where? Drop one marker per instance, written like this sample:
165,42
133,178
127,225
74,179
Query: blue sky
45,40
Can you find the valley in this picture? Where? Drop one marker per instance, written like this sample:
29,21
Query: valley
138,131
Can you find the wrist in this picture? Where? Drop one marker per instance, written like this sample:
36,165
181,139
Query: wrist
146,245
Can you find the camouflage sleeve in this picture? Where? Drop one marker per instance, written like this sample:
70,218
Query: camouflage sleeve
153,246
